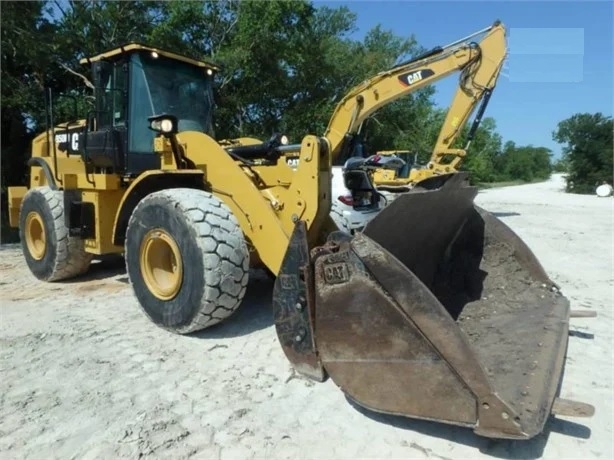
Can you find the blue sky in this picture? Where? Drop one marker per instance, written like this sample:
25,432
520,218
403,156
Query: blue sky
559,55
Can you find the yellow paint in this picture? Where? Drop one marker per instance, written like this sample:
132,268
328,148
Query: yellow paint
15,197
161,264
267,199
36,240
240,141
366,98
383,176
106,204
115,211
139,47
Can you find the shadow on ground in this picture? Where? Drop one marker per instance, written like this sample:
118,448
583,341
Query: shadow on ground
255,312
103,267
499,448
581,334
505,214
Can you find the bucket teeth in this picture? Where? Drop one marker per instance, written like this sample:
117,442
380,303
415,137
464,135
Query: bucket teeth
569,408
582,314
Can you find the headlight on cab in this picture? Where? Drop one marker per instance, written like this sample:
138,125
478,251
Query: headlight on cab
163,124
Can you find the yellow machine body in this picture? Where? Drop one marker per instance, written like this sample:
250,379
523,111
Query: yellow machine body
432,312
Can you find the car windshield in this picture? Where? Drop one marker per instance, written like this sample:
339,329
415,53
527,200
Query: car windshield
179,89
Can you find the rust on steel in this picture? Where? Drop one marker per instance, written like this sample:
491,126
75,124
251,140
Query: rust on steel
436,311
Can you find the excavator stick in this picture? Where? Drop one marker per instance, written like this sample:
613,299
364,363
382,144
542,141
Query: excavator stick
436,311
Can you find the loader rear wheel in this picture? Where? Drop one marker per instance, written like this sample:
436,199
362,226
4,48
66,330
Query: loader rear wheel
51,254
186,258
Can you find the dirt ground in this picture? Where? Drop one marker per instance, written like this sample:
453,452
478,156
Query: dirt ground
86,375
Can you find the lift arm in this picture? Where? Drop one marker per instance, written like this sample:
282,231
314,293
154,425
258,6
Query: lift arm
479,63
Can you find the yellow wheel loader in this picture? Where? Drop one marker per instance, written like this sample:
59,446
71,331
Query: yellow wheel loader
436,311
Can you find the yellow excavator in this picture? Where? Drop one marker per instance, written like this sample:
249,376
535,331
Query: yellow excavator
393,171
437,310
478,78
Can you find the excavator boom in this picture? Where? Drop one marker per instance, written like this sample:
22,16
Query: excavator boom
476,83
479,64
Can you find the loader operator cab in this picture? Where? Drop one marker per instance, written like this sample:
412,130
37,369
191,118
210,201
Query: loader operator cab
133,83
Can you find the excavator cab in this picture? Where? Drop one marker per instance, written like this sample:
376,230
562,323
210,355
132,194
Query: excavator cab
409,159
358,178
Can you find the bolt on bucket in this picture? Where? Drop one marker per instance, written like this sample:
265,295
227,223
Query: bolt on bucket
437,311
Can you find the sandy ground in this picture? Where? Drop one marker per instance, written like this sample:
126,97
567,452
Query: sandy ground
85,375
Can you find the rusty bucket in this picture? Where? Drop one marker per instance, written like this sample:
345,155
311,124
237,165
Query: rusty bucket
436,311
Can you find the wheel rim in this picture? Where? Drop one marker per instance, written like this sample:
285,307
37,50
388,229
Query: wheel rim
36,240
161,264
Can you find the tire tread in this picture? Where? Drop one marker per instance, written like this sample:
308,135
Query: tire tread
219,236
71,259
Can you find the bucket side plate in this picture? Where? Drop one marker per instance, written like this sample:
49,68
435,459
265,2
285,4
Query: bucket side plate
439,311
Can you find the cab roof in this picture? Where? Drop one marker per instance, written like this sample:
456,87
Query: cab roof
131,47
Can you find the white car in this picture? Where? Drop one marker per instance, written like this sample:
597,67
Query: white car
343,213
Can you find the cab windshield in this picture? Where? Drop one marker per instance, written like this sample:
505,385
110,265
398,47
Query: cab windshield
165,86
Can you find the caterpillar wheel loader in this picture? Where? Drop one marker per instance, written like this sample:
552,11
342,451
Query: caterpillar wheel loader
436,311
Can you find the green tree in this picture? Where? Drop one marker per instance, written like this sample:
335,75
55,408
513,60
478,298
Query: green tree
560,166
587,149
482,150
526,163
542,163
25,58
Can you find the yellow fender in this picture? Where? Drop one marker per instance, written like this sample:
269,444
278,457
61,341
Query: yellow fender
149,182
260,224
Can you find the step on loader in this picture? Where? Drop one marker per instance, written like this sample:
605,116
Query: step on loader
437,310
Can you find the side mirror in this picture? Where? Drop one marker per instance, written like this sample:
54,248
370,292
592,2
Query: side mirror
166,125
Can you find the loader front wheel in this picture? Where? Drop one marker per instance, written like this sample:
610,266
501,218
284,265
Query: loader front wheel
50,252
186,258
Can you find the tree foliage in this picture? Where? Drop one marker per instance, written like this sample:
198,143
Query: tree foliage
285,64
482,151
587,150
560,166
527,163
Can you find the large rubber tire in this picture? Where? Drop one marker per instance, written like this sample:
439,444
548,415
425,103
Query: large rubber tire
51,254
340,220
211,259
